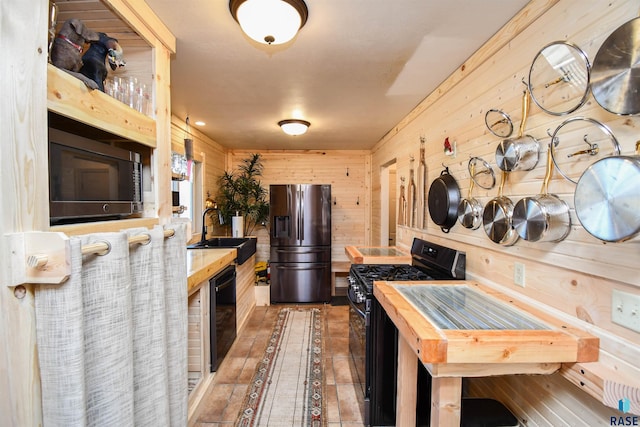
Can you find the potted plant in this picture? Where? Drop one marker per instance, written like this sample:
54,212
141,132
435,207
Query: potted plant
241,193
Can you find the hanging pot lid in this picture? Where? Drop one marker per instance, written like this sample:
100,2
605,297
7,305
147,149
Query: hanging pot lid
481,173
559,78
579,142
615,75
499,123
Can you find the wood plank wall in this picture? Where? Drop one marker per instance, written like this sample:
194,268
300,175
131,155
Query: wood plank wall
349,214
348,172
245,292
213,157
574,278
23,117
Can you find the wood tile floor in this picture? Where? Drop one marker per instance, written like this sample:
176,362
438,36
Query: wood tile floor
221,404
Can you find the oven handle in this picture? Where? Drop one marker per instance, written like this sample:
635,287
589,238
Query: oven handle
353,305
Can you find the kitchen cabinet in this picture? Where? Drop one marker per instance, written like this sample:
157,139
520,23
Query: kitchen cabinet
202,265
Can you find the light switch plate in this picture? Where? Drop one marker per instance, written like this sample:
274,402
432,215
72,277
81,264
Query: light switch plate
625,309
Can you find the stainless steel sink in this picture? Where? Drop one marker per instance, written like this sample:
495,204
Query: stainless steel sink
246,246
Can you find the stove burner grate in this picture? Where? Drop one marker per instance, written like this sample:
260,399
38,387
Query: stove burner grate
369,273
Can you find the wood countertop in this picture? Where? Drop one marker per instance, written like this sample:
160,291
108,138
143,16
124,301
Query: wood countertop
204,263
435,343
377,255
476,332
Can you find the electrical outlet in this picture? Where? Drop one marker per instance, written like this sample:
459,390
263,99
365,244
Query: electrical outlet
518,274
625,309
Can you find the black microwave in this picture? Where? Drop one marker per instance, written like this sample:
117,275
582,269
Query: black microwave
91,180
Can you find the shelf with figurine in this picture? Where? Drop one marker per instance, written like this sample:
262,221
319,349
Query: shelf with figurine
86,83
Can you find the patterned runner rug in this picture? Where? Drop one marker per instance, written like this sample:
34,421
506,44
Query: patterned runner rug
287,388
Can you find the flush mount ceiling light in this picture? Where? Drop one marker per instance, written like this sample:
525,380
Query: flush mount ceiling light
269,21
294,126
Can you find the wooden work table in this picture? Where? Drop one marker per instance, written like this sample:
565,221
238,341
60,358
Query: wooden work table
202,264
377,255
471,330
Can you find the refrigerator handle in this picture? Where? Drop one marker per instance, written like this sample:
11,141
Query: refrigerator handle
301,217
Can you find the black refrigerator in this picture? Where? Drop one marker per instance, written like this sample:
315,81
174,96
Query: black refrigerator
300,219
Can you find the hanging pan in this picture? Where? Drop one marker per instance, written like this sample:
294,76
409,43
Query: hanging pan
615,75
545,217
497,217
443,199
470,208
519,153
607,199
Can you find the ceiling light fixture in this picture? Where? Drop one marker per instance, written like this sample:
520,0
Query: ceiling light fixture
294,126
270,21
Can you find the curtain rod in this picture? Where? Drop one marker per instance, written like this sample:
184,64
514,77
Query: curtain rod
103,248
42,257
100,248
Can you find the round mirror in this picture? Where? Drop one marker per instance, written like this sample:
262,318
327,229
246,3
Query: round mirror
499,123
481,173
559,78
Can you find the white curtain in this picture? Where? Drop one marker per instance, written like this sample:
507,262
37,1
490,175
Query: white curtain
112,340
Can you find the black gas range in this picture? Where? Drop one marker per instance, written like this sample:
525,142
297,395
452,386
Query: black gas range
373,336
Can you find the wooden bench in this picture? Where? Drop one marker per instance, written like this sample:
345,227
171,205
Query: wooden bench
338,268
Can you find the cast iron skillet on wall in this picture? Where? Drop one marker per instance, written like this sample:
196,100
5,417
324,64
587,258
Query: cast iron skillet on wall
444,198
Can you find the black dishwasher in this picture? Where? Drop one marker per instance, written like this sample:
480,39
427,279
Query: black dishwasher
222,290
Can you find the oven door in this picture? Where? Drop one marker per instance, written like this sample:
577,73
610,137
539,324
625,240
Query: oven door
358,341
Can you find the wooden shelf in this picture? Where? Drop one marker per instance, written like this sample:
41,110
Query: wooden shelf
104,226
68,96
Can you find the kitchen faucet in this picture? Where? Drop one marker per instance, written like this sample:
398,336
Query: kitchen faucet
204,226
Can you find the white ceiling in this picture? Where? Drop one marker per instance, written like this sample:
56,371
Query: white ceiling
354,71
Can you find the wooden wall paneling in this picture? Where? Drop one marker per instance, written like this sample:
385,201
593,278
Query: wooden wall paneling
541,400
520,183
140,62
23,114
245,292
574,277
138,15
349,219
162,154
212,156
24,117
194,316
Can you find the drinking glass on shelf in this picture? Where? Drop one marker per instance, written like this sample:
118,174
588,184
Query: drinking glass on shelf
132,92
140,93
117,88
147,105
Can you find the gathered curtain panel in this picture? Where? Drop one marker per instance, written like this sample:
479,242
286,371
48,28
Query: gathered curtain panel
112,339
